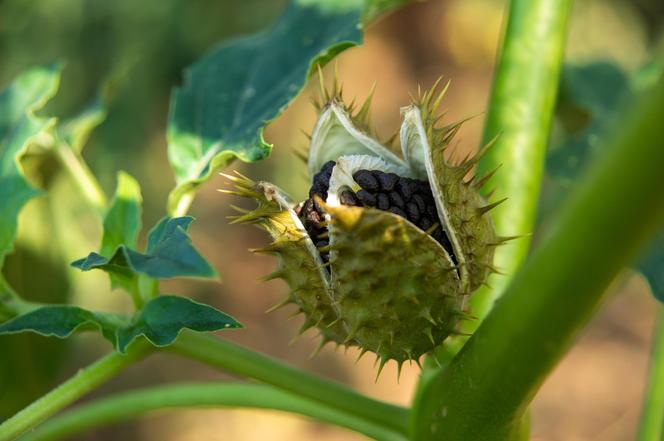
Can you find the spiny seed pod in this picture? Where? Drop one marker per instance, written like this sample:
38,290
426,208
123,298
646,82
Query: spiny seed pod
388,246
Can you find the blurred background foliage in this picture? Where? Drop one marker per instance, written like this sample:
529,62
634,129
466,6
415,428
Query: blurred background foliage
133,53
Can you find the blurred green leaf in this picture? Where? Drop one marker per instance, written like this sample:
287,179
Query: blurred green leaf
651,265
230,95
169,254
122,224
123,219
76,130
18,125
30,364
591,96
163,318
160,321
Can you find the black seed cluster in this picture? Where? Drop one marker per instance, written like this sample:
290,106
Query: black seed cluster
312,215
409,198
405,197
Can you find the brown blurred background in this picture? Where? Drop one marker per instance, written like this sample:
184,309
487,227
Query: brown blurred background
595,393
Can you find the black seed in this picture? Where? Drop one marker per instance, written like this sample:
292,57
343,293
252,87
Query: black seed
347,197
328,166
366,180
398,211
422,187
425,223
387,181
366,198
318,190
404,187
431,211
413,212
419,201
383,201
396,199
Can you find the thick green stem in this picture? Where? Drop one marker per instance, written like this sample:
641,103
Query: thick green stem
616,209
81,174
134,404
652,416
520,113
182,203
244,362
80,384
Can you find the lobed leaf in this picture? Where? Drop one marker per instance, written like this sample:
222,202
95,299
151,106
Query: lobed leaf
163,318
62,321
169,254
18,126
123,219
160,321
122,224
230,95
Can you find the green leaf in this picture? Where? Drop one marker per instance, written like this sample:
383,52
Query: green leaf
591,96
169,254
651,265
62,321
76,130
18,126
123,219
122,224
163,318
160,321
230,95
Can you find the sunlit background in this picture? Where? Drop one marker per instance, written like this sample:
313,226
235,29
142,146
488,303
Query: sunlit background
137,51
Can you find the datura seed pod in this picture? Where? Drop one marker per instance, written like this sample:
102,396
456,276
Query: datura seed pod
389,246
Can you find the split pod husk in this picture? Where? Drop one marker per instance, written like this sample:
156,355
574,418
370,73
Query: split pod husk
387,249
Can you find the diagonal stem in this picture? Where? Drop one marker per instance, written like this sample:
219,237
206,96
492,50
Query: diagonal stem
83,382
616,210
130,405
238,360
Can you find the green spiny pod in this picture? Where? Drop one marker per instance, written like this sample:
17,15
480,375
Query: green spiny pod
389,245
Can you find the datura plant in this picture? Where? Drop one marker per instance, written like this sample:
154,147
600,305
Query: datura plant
388,247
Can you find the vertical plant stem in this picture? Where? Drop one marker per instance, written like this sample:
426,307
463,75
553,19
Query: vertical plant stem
520,113
82,175
182,203
80,384
487,387
651,427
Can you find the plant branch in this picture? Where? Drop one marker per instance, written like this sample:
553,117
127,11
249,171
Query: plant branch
81,174
520,113
235,359
651,427
83,382
616,209
130,405
183,202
